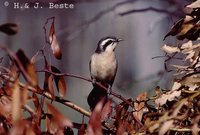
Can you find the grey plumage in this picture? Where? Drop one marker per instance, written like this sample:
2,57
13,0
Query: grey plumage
103,68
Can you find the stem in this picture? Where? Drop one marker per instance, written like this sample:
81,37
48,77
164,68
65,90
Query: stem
89,80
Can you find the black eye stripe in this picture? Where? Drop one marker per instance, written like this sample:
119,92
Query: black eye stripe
108,43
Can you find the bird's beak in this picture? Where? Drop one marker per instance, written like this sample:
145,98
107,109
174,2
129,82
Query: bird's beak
119,40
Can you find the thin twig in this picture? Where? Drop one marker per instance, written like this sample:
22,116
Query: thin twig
147,9
47,95
89,80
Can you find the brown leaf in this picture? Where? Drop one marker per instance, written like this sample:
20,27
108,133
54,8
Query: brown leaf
16,102
30,73
57,118
107,110
187,27
175,28
195,4
121,129
170,49
169,96
94,125
38,119
165,127
82,130
140,106
24,127
9,28
18,128
54,43
50,86
35,100
60,82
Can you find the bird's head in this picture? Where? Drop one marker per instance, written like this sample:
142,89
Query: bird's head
107,44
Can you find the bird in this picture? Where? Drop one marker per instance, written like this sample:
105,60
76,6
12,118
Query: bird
103,68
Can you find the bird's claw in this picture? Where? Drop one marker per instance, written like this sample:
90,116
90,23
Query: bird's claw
94,81
109,90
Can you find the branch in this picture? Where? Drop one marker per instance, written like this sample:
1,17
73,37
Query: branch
85,25
47,95
148,9
89,80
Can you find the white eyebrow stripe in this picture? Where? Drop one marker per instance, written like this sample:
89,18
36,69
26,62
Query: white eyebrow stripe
105,41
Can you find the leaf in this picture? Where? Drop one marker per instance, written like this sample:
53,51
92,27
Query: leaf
35,100
16,102
140,106
94,125
176,86
175,28
192,82
187,27
60,82
107,110
165,127
82,129
57,118
30,73
195,4
170,49
169,96
9,28
50,86
54,43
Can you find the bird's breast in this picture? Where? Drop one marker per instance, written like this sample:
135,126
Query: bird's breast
103,66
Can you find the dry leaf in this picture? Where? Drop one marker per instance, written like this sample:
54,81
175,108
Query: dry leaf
195,4
169,96
60,82
176,86
139,106
57,118
54,43
30,73
170,49
94,125
107,110
50,86
165,127
16,102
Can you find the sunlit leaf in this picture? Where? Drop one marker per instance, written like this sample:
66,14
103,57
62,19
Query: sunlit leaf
57,118
195,4
94,125
50,86
54,43
170,49
107,110
30,73
82,130
16,102
60,82
139,106
165,127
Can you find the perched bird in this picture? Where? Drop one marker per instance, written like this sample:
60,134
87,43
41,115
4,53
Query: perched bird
103,68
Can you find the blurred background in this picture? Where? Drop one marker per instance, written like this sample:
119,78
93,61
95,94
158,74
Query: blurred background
141,23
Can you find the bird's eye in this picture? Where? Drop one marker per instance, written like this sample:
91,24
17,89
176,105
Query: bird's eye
108,43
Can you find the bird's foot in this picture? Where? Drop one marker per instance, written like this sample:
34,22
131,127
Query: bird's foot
109,90
94,81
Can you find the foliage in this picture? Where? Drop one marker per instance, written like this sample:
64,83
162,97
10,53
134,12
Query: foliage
172,111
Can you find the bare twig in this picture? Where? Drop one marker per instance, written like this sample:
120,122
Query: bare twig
85,25
47,95
89,80
148,9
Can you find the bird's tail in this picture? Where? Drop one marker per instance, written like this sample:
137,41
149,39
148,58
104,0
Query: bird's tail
96,95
